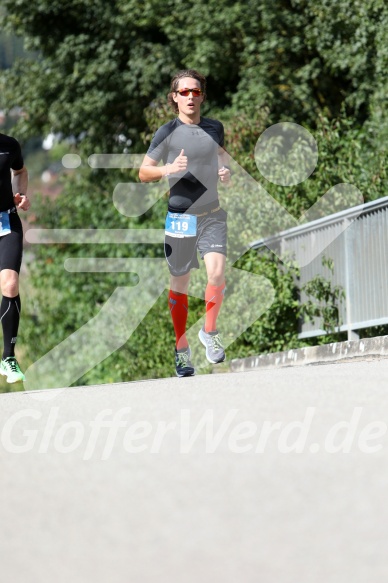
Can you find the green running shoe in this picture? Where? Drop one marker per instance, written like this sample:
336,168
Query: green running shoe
10,368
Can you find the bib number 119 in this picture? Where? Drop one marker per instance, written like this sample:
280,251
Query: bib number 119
180,226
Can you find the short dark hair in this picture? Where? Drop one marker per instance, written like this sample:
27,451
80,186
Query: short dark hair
175,82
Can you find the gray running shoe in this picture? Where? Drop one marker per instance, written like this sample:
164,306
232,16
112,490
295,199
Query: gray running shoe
183,366
215,352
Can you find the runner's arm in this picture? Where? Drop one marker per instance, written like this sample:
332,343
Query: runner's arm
20,180
19,188
224,170
150,171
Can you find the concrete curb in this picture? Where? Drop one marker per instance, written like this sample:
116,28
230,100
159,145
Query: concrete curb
337,351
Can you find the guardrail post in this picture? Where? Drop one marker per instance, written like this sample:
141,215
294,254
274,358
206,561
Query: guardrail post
349,277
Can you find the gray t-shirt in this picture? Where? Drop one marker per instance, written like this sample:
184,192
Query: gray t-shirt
196,187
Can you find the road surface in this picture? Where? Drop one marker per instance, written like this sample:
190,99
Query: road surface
277,475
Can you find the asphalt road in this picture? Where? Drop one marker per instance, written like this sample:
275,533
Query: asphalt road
268,476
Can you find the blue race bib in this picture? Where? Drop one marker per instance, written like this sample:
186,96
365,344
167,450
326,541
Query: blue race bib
5,228
180,225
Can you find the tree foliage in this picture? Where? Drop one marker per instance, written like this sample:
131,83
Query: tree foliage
102,75
103,62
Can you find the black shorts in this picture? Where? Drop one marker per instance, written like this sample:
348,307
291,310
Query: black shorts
11,245
211,237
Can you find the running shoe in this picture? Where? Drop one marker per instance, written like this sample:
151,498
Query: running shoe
215,352
10,368
183,366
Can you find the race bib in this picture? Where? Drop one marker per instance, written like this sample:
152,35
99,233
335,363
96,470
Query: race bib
181,225
5,228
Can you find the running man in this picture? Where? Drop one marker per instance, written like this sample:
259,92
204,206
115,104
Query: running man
191,149
13,197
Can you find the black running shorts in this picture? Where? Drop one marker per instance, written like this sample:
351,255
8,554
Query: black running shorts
181,253
11,245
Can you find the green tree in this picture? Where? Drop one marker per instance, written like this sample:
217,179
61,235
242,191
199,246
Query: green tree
102,63
102,75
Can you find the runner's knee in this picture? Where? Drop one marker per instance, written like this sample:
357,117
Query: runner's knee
179,284
216,274
216,278
10,286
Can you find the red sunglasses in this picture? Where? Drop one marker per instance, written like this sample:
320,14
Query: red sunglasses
186,92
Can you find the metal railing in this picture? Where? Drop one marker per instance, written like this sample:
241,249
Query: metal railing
357,241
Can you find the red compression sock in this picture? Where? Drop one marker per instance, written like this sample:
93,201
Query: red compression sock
214,294
179,308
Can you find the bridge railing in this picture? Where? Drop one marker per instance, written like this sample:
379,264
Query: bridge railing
357,241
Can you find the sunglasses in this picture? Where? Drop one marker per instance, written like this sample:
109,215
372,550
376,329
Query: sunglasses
186,92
